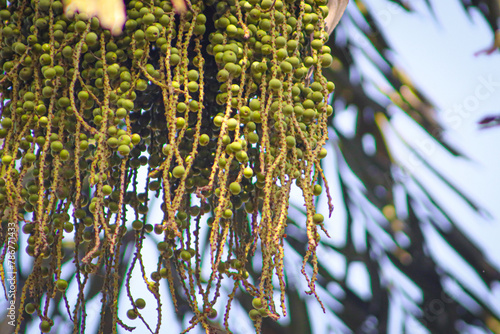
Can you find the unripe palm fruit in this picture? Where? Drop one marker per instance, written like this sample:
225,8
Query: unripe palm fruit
254,314
140,303
318,218
45,326
61,285
185,255
235,188
131,314
257,303
178,171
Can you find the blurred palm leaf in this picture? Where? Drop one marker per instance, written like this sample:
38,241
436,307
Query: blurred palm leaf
393,246
389,247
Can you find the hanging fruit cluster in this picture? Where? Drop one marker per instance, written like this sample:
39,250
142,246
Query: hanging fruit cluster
224,103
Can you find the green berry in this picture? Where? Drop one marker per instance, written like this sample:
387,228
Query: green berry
132,314
45,326
140,303
204,139
257,303
6,159
248,172
185,255
61,285
56,146
193,75
178,171
124,149
30,308
254,314
318,218
235,188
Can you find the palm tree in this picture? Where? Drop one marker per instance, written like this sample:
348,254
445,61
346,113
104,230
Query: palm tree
386,241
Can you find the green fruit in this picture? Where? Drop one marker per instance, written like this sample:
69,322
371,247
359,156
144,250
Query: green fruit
30,308
64,155
212,314
49,73
45,326
322,153
107,190
6,159
318,218
91,39
228,213
254,314
317,190
193,75
124,149
131,314
152,33
137,225
204,140
232,124
248,172
235,188
178,171
61,285
140,303
257,303
185,255
56,146
192,86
